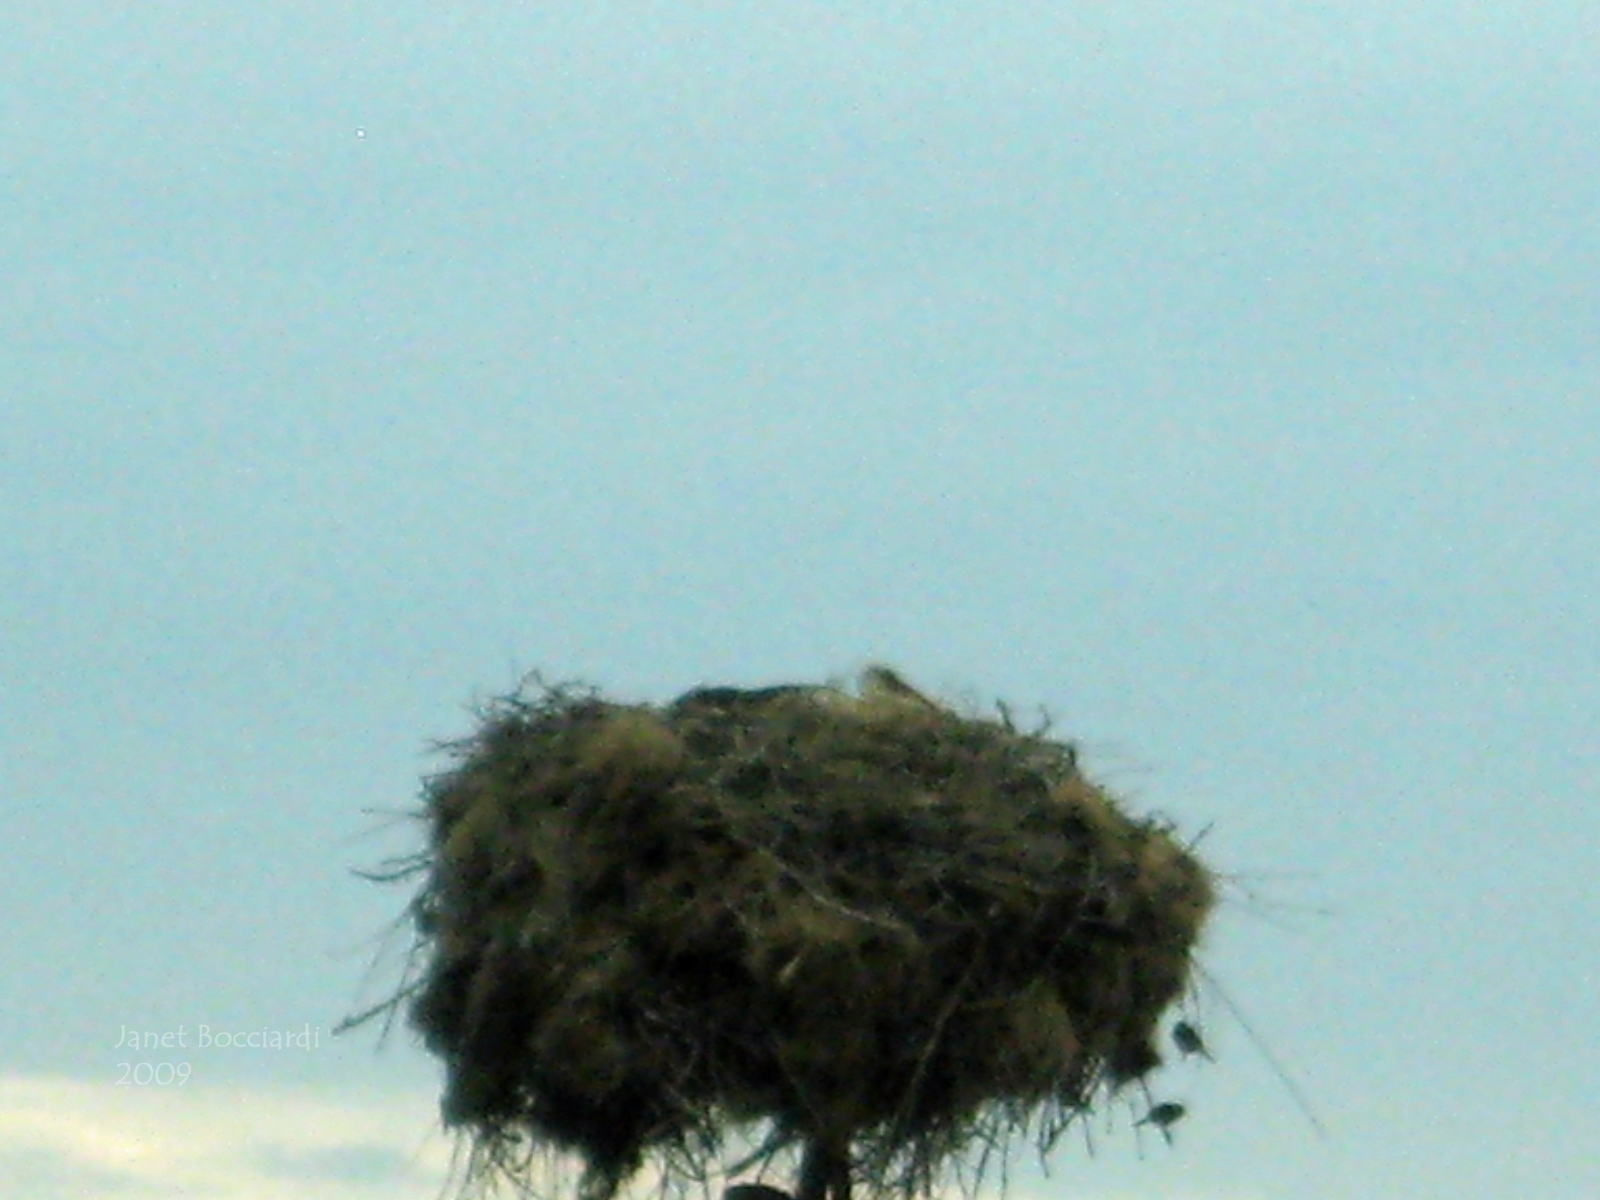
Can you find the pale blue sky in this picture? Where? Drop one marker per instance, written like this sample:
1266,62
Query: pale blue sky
1222,377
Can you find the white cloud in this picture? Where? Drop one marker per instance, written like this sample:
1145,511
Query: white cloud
72,1139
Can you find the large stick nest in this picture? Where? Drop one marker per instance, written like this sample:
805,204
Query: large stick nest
867,920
